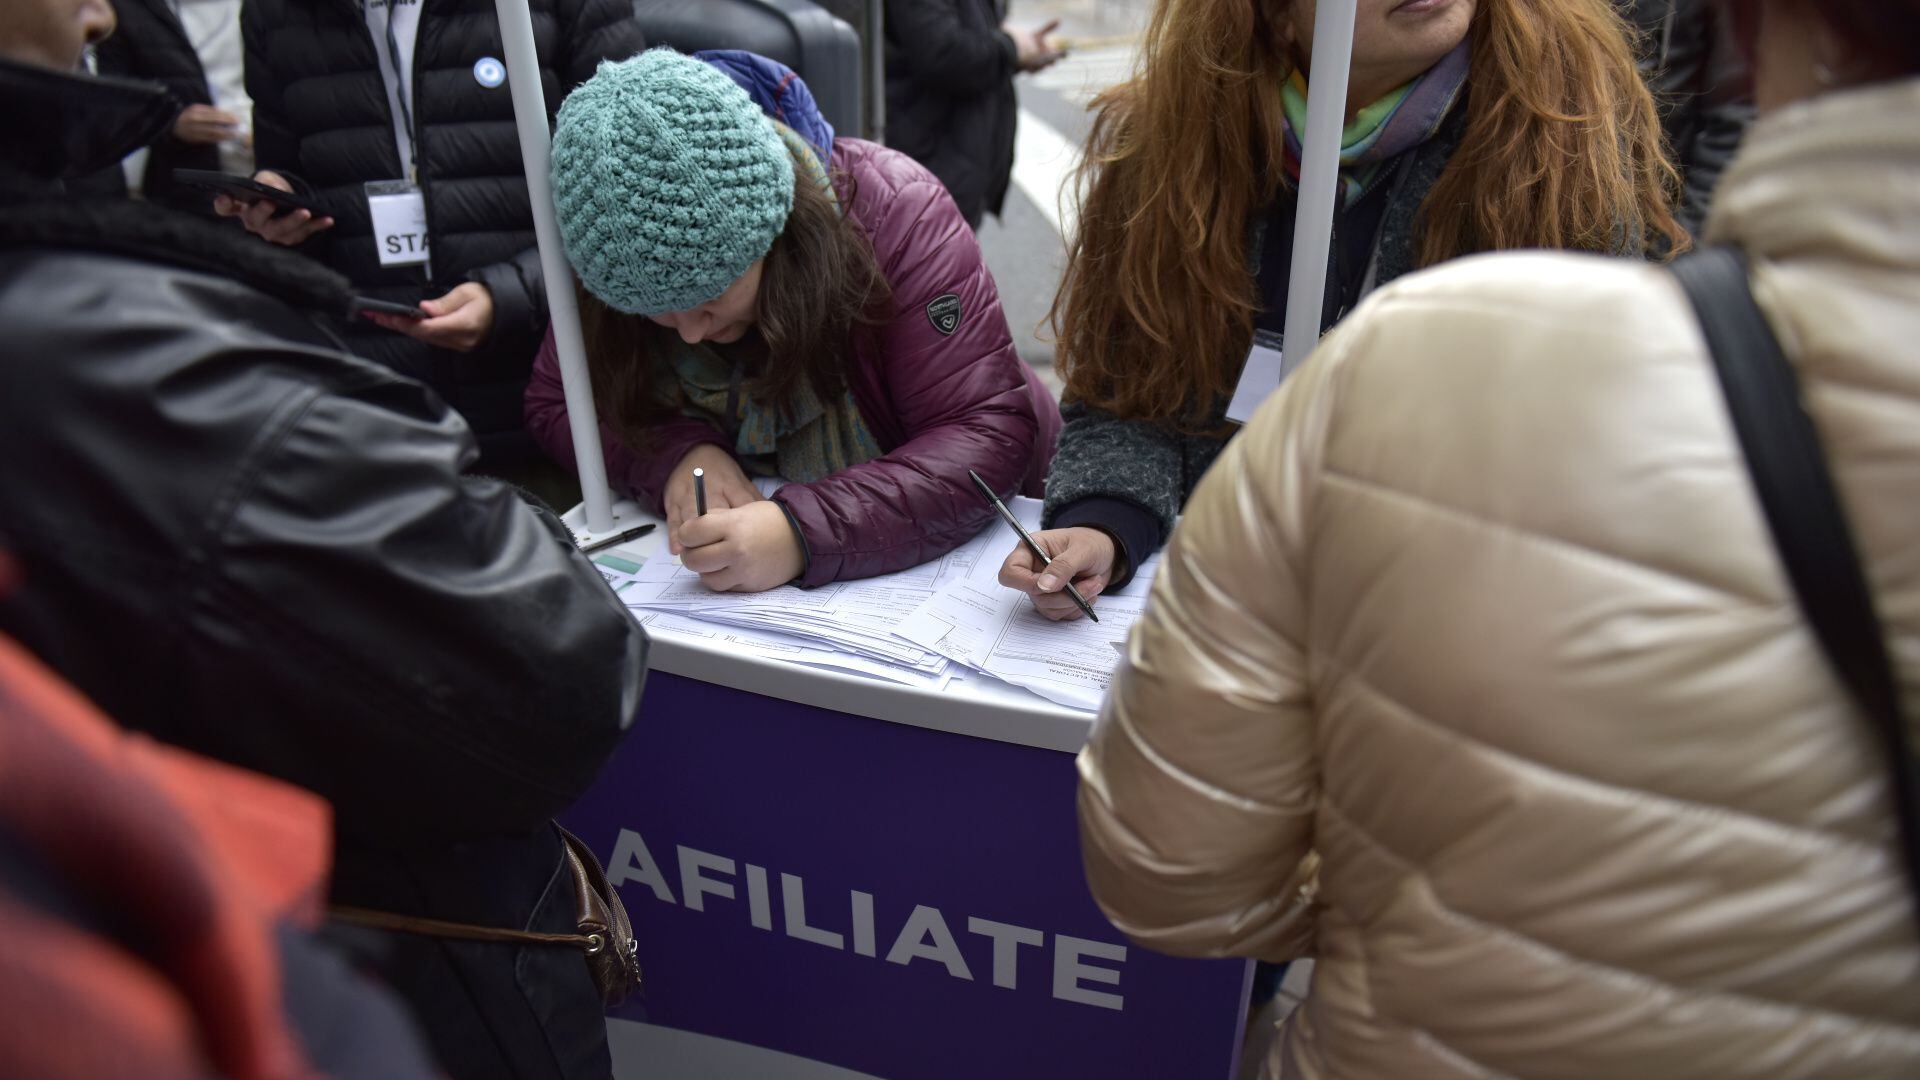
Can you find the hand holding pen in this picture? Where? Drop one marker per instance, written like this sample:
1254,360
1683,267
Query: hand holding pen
736,542
1032,568
727,488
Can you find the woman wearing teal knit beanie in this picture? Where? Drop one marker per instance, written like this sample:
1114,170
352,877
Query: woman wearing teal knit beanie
760,305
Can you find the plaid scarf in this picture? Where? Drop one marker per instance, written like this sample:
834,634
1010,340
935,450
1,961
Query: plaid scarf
1383,130
811,439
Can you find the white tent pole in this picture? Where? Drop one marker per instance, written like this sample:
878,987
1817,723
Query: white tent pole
536,138
1319,173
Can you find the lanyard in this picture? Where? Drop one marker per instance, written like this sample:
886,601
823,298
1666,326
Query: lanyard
400,89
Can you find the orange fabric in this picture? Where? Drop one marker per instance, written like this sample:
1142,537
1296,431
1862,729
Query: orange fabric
193,861
75,1005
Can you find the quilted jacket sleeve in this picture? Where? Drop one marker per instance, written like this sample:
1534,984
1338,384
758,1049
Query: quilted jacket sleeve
275,146
960,401
596,30
519,301
1198,787
643,476
1124,476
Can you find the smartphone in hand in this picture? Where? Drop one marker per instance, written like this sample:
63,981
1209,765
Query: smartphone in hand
362,305
243,189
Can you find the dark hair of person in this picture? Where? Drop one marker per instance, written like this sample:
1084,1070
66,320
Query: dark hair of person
819,287
1884,35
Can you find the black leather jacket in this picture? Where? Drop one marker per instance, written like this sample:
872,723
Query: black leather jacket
1702,88
239,539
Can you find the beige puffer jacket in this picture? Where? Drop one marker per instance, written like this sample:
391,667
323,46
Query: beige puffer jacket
1481,615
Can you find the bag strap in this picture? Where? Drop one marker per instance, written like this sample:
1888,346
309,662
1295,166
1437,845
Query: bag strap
415,924
1804,512
601,915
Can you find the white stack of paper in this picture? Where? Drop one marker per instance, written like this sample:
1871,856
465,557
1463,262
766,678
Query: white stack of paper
848,626
832,626
977,622
910,627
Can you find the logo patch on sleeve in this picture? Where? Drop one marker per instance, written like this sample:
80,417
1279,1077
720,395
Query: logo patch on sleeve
943,312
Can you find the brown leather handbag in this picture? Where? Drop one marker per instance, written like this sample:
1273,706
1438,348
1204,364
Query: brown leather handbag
605,936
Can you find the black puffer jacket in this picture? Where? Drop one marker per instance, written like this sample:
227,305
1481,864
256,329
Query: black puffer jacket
243,541
1701,85
149,43
950,99
320,112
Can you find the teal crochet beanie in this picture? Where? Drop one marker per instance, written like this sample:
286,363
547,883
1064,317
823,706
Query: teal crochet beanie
668,182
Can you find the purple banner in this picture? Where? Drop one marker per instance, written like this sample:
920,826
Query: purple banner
898,901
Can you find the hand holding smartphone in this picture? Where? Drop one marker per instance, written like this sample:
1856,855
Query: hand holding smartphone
242,189
367,305
264,203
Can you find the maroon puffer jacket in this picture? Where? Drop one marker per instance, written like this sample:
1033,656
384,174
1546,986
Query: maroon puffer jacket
939,404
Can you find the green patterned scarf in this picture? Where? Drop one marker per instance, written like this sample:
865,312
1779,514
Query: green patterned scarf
1383,130
809,440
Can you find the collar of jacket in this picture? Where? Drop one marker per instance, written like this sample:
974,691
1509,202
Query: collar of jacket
64,124
1833,177
167,14
140,230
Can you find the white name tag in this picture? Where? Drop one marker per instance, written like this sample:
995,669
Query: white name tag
1258,380
399,222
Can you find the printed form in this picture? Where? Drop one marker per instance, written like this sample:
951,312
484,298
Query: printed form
912,627
995,630
847,626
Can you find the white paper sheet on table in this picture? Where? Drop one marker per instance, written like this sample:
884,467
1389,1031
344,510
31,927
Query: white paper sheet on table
912,627
996,630
664,583
776,646
849,626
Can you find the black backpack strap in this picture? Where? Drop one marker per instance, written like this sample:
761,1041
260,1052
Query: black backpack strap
1803,511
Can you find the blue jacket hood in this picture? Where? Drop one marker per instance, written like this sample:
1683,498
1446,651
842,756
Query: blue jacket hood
779,91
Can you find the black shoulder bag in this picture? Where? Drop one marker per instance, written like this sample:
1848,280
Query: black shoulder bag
1803,512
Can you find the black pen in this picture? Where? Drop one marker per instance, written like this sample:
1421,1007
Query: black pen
700,492
1045,560
634,533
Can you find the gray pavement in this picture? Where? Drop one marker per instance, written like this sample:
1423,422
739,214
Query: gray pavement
1082,19
1025,256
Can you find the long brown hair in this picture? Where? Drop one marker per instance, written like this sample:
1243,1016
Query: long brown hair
1562,148
819,287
